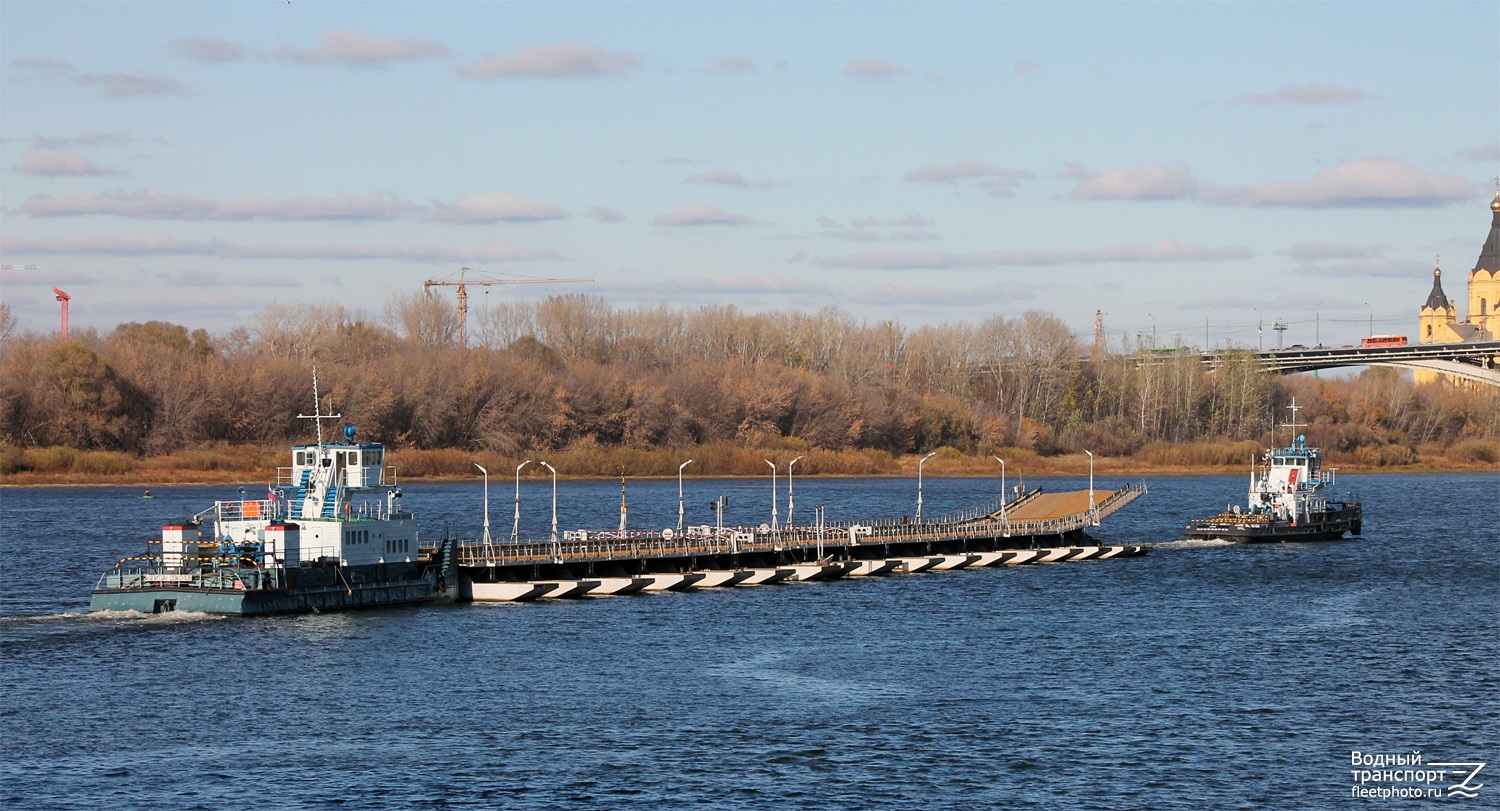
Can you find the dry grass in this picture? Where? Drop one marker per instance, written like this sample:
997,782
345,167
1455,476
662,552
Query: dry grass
245,463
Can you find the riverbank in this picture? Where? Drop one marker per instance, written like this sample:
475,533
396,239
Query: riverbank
241,464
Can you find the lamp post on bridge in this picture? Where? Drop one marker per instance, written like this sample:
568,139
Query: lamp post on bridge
1091,484
919,484
1260,332
789,491
515,531
1004,494
679,494
556,549
486,507
1372,319
773,496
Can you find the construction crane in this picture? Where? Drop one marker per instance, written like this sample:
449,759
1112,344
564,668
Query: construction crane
463,293
64,298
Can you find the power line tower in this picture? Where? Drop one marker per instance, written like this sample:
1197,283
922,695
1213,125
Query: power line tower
1280,327
1098,335
463,294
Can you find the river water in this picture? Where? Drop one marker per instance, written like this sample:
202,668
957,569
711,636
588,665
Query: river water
1203,675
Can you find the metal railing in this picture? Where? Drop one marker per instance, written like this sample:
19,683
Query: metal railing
603,546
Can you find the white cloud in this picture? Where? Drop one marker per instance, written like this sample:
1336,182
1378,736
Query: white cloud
564,59
1166,250
1328,250
1305,94
1149,181
874,69
1365,269
145,204
209,50
495,207
57,163
495,250
114,85
155,205
997,181
694,214
734,64
904,229
1025,66
356,49
86,139
1365,183
606,214
719,176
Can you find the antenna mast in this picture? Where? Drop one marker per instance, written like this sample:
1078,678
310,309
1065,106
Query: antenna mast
318,416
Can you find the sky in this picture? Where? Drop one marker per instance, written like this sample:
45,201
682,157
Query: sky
1196,171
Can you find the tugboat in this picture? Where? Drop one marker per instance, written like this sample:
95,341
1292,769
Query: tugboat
1288,500
330,535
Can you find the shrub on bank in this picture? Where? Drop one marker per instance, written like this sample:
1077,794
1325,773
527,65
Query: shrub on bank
1476,451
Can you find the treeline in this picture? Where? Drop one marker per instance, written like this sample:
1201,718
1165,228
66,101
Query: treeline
574,373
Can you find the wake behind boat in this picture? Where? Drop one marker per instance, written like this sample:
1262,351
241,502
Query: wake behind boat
1288,500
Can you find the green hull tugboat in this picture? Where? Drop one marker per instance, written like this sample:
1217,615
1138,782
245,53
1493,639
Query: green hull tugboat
1289,501
330,535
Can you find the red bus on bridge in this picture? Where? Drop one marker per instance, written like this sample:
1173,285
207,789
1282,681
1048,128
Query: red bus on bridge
1384,340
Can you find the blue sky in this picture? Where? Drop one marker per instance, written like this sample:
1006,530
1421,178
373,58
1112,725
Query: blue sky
1171,164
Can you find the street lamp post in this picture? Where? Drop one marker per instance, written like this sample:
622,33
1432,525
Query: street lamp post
1206,345
1004,494
1372,319
1091,483
679,494
773,496
789,492
487,548
515,531
1153,330
1260,321
919,484
556,549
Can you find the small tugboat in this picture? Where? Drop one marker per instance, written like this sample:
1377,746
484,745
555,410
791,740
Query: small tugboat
1288,500
331,535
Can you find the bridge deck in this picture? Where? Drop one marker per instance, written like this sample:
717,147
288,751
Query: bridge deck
1056,505
1037,515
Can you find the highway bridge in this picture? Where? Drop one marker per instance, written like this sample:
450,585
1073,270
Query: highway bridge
1479,362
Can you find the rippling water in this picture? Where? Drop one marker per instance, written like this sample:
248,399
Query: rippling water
1204,675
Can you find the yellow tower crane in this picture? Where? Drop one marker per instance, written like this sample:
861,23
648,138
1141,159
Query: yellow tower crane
463,294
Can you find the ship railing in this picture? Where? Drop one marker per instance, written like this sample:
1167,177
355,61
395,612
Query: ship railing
242,510
203,577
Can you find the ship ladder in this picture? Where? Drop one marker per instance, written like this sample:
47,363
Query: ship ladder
299,497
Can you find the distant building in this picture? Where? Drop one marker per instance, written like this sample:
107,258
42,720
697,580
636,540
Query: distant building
1438,320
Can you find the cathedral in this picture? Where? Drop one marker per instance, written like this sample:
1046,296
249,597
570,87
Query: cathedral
1438,321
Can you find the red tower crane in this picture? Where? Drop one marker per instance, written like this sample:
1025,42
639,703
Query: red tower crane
463,294
64,298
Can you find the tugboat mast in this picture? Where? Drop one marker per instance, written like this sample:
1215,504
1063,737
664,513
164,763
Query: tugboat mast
318,416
